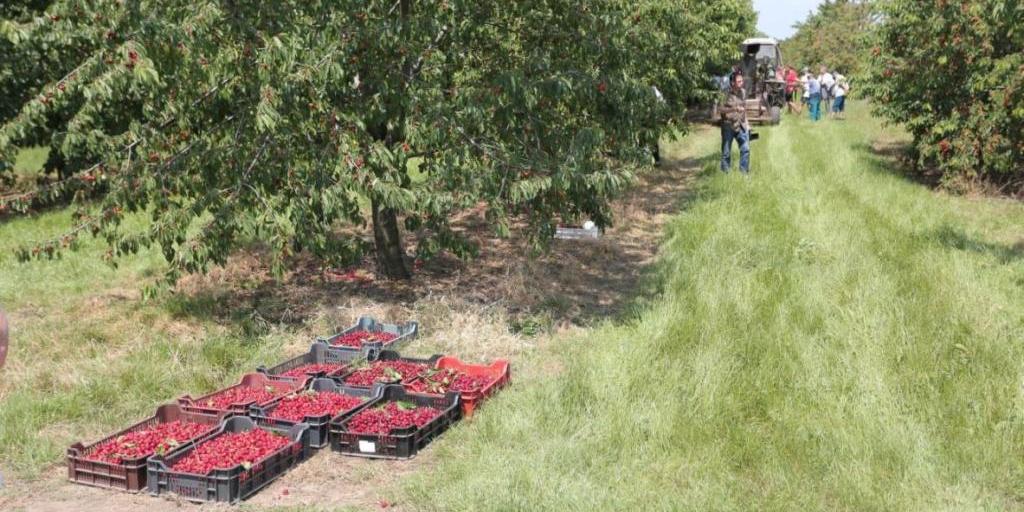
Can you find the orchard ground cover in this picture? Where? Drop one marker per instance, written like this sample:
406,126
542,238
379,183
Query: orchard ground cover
111,357
827,335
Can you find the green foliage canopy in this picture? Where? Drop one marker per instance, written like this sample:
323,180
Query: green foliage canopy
224,120
953,74
833,35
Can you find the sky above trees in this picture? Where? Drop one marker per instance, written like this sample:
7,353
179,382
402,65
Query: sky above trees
776,17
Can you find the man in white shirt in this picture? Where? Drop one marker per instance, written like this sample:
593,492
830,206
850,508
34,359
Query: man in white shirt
827,82
841,87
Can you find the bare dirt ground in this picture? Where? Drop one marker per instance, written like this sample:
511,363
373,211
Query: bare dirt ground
503,304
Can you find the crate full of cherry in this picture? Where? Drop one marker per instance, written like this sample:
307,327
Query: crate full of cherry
369,337
397,425
242,457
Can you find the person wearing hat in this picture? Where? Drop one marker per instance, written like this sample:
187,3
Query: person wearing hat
735,126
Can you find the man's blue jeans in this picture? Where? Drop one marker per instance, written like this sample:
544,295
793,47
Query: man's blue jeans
742,138
815,110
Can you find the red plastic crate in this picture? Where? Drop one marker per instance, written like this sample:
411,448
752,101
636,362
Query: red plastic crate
499,371
129,475
281,388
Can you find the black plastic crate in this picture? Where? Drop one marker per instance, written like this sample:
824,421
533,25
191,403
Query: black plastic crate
319,426
228,485
405,332
398,444
280,387
129,475
387,355
319,353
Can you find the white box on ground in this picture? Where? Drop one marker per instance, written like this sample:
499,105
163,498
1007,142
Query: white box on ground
577,233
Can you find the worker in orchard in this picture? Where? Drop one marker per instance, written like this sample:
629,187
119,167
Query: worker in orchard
735,125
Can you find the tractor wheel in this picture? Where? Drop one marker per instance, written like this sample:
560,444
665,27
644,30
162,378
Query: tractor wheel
776,115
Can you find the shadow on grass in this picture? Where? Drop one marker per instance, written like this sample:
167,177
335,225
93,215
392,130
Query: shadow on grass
955,238
897,158
889,158
576,282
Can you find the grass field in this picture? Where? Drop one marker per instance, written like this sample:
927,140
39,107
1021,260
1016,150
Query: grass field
30,161
827,335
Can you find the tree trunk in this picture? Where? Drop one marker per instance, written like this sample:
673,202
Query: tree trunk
55,163
390,255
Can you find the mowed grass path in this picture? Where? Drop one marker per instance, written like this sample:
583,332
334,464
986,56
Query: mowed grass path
829,336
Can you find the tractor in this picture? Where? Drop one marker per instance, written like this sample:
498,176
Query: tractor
762,72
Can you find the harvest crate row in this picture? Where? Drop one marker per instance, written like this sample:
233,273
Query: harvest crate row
351,391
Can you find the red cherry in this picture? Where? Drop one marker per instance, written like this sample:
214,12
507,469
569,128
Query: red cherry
385,371
313,369
356,338
143,443
229,450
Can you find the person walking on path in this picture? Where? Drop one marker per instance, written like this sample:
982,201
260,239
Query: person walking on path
814,98
827,82
841,88
735,125
792,86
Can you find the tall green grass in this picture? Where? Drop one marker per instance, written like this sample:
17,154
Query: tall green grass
87,357
829,336
30,161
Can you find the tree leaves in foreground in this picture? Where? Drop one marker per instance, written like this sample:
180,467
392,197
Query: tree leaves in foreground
953,74
298,123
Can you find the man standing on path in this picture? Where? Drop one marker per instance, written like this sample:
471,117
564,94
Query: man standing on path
735,126
814,98
841,88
